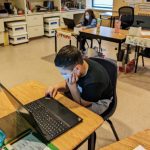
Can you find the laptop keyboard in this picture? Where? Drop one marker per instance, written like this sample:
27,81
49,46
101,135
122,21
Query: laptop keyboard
51,125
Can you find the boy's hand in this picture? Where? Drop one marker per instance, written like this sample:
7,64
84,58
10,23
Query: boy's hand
52,91
73,79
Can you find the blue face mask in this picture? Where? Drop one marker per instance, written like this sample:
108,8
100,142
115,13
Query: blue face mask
66,76
87,17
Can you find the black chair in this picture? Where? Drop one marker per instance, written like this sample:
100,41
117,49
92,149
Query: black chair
111,68
126,15
141,52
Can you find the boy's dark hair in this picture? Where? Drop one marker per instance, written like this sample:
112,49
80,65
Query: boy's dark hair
68,57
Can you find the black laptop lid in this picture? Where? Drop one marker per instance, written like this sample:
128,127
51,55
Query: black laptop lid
69,23
19,106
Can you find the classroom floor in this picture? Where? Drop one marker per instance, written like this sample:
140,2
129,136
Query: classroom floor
34,61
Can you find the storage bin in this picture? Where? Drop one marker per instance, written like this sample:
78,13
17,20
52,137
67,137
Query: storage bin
18,39
17,28
49,33
51,23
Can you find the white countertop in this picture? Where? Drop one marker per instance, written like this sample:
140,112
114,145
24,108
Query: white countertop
13,18
54,12
45,14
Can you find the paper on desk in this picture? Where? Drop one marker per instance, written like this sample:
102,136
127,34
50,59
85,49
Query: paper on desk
30,142
145,33
139,148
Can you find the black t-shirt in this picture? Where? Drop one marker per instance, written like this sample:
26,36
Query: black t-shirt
96,84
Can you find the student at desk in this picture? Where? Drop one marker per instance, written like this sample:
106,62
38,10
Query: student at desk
86,80
89,21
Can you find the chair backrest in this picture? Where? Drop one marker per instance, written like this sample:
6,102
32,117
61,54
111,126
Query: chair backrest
126,14
111,68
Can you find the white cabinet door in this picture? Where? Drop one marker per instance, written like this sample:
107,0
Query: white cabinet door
1,25
34,20
35,31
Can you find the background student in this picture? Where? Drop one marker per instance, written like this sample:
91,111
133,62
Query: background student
89,21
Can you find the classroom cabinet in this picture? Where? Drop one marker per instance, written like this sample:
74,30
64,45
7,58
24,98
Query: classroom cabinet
35,31
35,26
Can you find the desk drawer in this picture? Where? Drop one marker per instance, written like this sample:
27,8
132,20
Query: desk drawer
35,31
1,25
35,20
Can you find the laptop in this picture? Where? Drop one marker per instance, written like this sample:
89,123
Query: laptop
69,23
46,115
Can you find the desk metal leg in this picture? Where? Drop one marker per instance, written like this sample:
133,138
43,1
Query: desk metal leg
77,40
127,56
77,44
70,42
92,141
137,58
119,50
135,55
56,42
91,43
111,20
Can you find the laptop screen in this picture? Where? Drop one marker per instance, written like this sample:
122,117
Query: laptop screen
18,105
69,23
14,101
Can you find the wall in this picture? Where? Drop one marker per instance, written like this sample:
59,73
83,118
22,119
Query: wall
120,3
17,3
40,2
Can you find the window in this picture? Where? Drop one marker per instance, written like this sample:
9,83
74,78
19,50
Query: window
104,4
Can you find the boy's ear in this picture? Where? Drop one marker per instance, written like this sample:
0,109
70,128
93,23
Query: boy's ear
77,69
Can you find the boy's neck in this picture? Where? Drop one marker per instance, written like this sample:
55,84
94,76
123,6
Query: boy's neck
84,69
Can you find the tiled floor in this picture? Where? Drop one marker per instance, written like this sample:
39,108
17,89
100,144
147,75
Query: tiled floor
30,62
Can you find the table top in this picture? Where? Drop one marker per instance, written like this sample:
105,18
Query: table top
107,32
141,138
64,29
33,90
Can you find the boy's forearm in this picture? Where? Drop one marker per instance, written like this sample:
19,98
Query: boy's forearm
75,92
76,96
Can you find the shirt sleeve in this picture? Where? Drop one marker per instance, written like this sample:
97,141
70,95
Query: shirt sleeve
92,92
93,24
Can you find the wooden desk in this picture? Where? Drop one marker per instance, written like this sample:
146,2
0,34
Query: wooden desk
64,31
106,33
142,41
141,138
31,91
